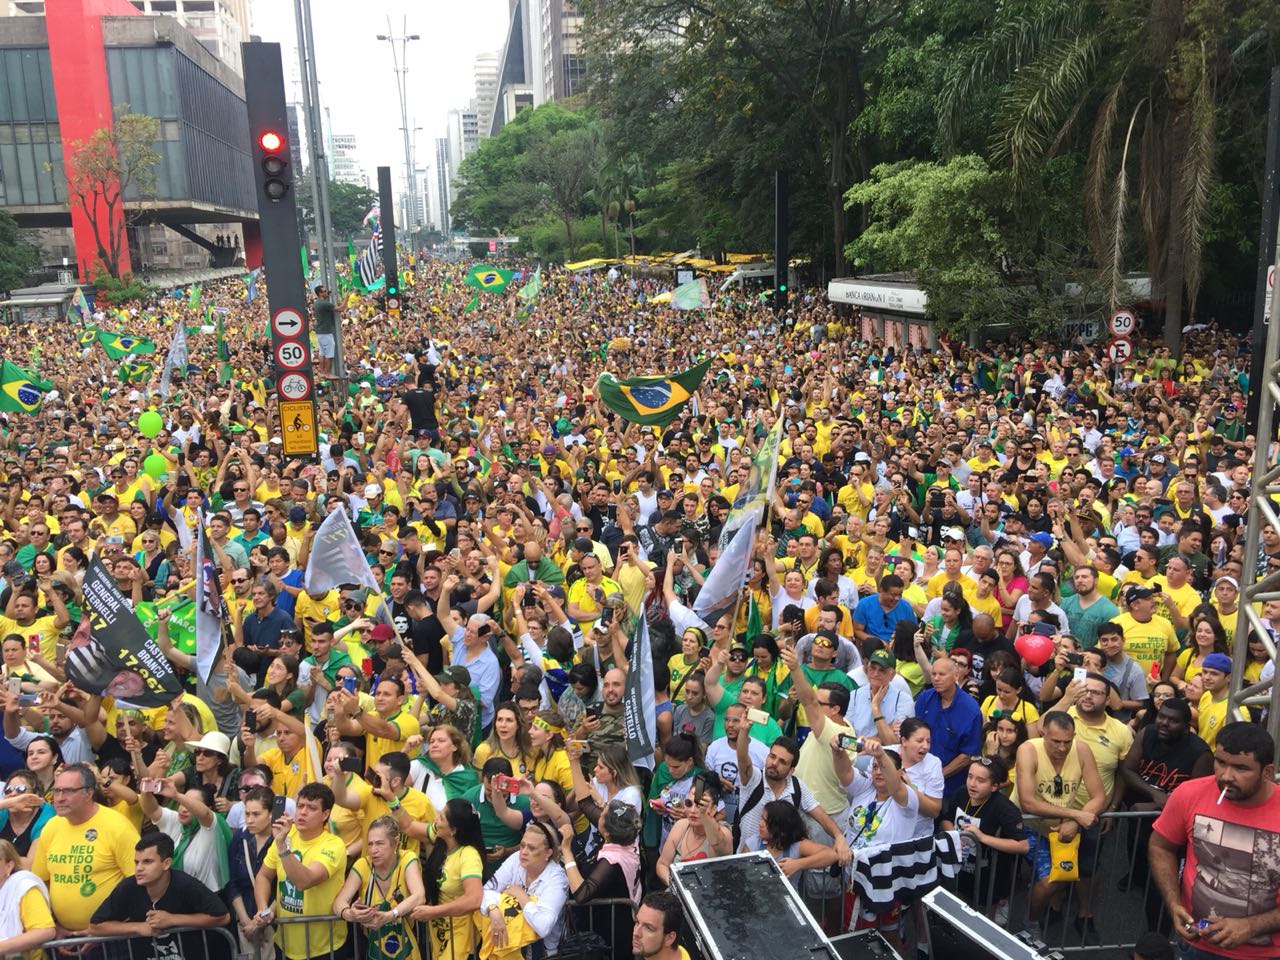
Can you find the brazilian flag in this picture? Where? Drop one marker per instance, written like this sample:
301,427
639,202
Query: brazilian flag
132,371
20,390
650,401
88,336
487,278
121,345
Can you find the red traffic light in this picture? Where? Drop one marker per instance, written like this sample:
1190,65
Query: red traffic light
270,141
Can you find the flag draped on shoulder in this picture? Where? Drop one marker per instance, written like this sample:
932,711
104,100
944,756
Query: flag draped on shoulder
488,278
121,345
755,491
111,652
337,557
692,295
211,609
650,401
639,718
20,390
176,360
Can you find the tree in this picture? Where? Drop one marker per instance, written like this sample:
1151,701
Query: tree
562,164
17,257
978,251
115,165
349,203
1154,83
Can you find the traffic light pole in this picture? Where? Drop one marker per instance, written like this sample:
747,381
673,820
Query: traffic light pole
319,157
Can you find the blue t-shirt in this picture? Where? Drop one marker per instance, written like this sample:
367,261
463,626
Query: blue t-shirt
877,621
285,600
954,730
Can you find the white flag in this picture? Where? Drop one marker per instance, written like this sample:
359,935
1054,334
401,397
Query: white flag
211,609
638,717
176,359
337,557
719,593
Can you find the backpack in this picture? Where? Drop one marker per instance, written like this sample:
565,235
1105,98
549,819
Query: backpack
753,800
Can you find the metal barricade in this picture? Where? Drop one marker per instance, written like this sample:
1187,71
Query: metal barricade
609,919
1115,889
213,942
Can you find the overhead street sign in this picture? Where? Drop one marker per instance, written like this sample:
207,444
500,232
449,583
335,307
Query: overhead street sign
298,421
1120,349
295,386
288,322
291,354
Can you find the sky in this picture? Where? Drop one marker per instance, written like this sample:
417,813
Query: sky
357,81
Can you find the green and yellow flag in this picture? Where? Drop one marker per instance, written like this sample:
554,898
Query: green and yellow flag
121,345
88,336
650,401
487,278
472,304
194,300
134,371
20,390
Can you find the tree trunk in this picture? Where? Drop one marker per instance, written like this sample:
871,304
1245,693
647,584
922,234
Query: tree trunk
568,233
837,181
1174,265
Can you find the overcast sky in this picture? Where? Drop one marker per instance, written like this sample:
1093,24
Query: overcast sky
357,82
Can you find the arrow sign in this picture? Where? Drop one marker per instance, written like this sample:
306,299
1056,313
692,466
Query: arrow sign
287,322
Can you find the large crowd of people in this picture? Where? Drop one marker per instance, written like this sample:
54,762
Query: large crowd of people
442,768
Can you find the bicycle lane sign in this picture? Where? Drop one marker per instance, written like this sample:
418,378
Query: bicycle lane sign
298,428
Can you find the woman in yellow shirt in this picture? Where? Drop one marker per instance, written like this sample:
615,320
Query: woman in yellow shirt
454,879
1207,636
1007,701
509,739
23,898
383,888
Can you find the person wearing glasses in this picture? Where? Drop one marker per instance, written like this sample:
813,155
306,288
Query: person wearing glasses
83,852
1059,790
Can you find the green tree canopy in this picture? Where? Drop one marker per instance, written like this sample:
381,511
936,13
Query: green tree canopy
17,257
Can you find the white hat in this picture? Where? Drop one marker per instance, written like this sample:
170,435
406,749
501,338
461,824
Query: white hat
372,490
213,740
952,533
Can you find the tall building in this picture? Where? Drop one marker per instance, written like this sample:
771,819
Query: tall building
542,59
486,76
440,186
343,165
220,25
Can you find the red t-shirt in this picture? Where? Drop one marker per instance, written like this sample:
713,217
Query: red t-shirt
1233,858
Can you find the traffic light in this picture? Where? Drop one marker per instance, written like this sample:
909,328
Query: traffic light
275,165
782,288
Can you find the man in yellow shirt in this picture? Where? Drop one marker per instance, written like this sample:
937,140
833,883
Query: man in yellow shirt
1178,599
290,767
307,865
384,730
951,572
587,596
1211,712
36,630
83,852
390,793
1148,639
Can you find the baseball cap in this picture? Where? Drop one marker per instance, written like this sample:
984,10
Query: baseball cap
1139,593
459,675
883,658
382,631
1159,458
1217,661
952,533
372,490
1230,580
1128,452
1044,539
297,514
861,457
665,493
582,544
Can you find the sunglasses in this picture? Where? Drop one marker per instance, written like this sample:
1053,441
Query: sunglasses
201,752
240,580
16,789
737,656
1058,787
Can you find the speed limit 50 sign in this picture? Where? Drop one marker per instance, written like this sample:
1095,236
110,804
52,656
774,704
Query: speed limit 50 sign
1122,323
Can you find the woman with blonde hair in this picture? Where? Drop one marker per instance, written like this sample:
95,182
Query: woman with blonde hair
26,921
382,890
444,771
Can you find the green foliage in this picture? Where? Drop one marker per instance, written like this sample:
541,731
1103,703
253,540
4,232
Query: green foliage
980,258
17,257
348,204
118,290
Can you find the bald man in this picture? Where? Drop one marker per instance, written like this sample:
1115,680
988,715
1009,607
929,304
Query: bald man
954,721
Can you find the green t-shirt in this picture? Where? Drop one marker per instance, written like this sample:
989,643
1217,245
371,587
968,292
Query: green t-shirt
495,832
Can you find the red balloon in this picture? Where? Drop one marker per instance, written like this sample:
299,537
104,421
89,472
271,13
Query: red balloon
1034,648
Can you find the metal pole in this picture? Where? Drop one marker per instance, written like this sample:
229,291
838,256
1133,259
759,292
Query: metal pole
1264,482
400,66
307,124
1266,248
320,158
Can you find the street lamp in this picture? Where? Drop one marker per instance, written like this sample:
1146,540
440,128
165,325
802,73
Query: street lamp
400,65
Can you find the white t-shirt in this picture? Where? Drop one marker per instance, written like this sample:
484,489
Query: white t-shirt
1022,613
925,778
887,822
201,857
781,601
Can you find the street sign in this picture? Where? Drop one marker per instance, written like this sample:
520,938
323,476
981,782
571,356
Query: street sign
298,428
1122,323
1120,349
287,322
291,355
1083,330
295,386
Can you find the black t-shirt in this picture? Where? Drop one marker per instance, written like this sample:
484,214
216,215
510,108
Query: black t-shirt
424,638
1165,765
112,749
421,403
130,903
981,651
998,817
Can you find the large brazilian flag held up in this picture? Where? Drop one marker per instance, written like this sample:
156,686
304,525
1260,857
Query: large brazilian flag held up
21,390
489,279
650,401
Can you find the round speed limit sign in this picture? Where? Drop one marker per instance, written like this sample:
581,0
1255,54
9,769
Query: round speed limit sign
291,355
1120,349
1122,323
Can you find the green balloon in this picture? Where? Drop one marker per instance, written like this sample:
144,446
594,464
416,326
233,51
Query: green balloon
150,423
155,466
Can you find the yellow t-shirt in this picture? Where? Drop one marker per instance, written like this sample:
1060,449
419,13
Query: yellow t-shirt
302,941
580,595
933,589
679,670
520,765
1109,742
1147,643
288,776
1184,598
415,803
989,605
82,863
310,610
33,911
1210,716
375,747
41,628
459,866
1024,711
349,824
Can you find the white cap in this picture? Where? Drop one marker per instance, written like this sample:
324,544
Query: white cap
372,490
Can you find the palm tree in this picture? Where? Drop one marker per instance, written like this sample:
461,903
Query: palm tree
1156,78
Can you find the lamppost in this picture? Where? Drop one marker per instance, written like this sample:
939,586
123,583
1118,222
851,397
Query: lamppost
400,64
631,223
